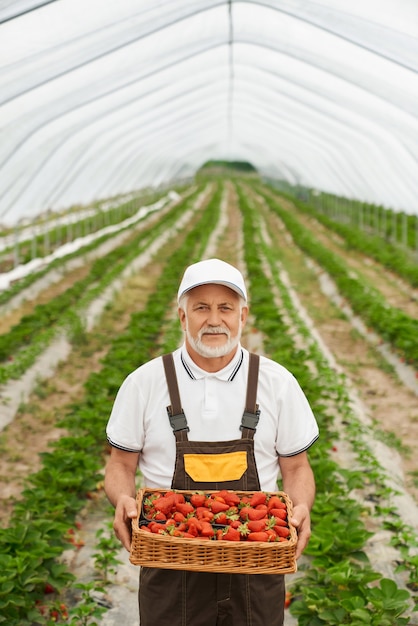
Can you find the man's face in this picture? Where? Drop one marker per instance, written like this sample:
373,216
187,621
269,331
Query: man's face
213,320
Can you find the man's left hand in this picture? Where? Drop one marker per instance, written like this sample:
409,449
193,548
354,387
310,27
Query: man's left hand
301,520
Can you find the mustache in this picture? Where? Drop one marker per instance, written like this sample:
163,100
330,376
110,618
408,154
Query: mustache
214,330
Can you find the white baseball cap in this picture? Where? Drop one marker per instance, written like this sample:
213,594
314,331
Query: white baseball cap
212,271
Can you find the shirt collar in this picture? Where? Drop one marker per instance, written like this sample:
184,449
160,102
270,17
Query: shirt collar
228,373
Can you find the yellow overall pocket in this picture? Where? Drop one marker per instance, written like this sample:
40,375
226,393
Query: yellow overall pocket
215,467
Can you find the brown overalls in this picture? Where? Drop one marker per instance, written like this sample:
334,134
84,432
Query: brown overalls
184,598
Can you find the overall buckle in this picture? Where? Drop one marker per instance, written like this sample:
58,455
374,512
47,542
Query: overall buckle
250,420
177,422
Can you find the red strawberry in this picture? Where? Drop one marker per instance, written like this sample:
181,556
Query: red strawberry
275,503
257,525
164,504
281,531
148,530
221,518
170,522
271,535
235,523
198,499
194,526
217,497
229,497
282,513
244,512
216,506
231,534
179,498
159,515
207,530
204,513
248,513
259,536
155,527
259,497
185,508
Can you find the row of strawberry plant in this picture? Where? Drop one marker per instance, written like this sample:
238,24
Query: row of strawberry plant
392,324
336,589
32,544
22,344
377,489
60,262
390,256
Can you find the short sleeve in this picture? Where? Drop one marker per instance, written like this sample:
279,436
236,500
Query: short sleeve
297,426
125,426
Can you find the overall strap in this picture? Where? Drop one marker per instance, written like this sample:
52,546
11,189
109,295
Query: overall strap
251,414
176,414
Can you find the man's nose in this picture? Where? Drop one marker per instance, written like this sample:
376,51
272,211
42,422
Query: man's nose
214,317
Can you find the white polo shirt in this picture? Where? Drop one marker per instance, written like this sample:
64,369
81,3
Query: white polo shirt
213,404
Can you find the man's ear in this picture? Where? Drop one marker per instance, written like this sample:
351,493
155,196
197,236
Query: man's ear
182,318
244,315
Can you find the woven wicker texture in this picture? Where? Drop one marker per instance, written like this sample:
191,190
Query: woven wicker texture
240,557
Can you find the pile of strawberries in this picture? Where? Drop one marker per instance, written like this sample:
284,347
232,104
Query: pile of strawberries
222,515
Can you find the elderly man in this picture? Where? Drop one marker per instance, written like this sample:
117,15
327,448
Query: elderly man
248,445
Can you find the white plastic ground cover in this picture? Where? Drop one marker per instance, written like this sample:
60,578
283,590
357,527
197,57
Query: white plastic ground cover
26,233
25,269
100,98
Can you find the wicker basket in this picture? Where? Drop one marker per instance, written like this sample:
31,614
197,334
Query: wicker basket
166,552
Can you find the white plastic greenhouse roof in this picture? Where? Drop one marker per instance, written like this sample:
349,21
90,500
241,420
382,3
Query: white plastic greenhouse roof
99,97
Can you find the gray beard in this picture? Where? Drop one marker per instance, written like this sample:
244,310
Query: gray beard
211,352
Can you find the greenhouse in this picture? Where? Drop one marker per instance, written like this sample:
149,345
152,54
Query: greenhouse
141,137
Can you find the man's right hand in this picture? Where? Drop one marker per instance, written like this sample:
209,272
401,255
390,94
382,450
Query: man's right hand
125,512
